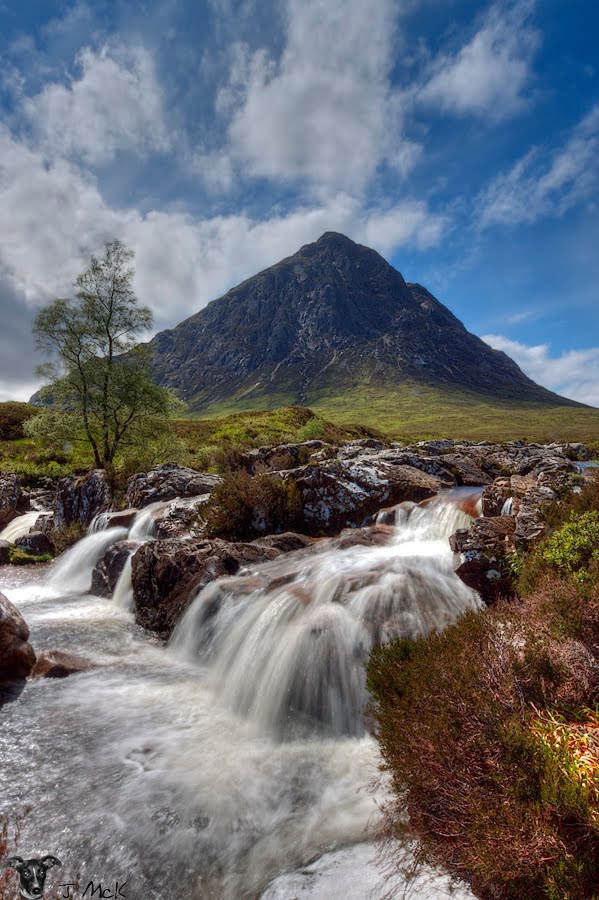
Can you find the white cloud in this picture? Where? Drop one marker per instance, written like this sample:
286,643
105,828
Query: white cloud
489,74
324,112
539,186
115,104
182,261
573,374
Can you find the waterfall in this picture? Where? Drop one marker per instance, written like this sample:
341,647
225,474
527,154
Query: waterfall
286,644
508,506
99,522
143,527
123,591
19,527
72,572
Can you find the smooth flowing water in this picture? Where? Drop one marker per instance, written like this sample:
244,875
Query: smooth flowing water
206,769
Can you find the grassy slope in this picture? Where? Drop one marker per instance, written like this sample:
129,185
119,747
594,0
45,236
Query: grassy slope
413,411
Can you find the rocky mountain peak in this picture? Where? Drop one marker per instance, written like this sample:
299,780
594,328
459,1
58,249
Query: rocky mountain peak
331,316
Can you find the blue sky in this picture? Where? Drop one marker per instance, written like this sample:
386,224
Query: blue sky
458,138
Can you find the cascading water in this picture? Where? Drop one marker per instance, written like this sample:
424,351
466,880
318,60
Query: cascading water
123,591
508,507
286,644
19,527
141,770
72,572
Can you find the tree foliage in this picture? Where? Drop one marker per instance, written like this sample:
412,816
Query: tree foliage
101,390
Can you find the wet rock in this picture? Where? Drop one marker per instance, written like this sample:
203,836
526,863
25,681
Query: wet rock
496,532
59,664
360,447
10,498
121,519
168,574
286,542
36,542
339,494
44,522
167,482
108,569
4,553
41,500
483,551
80,499
17,656
181,518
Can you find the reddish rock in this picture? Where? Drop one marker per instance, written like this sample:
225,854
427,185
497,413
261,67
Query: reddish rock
168,574
108,569
59,664
17,657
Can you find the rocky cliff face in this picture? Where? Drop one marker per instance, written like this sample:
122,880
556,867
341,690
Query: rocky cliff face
334,314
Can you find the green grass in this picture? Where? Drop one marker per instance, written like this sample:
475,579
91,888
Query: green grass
417,411
414,411
257,428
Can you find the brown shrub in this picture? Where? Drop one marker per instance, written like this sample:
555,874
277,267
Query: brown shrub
456,716
243,507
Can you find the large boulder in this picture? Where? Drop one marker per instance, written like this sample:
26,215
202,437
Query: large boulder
4,553
80,499
342,493
167,482
17,657
11,498
168,574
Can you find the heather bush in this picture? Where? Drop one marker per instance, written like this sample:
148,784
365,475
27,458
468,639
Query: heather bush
243,507
466,724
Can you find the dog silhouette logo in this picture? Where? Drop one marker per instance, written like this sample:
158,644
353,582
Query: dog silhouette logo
32,873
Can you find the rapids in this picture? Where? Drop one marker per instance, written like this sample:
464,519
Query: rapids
238,753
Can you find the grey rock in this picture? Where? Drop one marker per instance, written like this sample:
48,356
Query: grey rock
167,482
36,542
80,499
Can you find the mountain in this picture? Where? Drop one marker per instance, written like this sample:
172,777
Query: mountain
330,319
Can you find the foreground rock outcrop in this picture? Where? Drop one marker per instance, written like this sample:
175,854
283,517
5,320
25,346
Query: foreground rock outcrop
17,656
167,574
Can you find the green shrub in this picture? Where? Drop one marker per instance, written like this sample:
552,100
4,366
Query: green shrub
13,415
19,557
67,535
573,547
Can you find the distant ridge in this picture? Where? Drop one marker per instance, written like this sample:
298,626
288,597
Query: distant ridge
317,324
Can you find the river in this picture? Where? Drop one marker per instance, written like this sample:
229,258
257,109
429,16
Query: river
238,753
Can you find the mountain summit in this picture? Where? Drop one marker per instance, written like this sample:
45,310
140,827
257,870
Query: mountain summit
317,324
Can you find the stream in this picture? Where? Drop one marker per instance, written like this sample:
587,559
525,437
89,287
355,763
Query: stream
234,763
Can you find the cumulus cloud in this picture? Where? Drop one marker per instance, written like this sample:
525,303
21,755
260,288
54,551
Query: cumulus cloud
52,217
114,104
488,76
546,184
574,374
323,112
